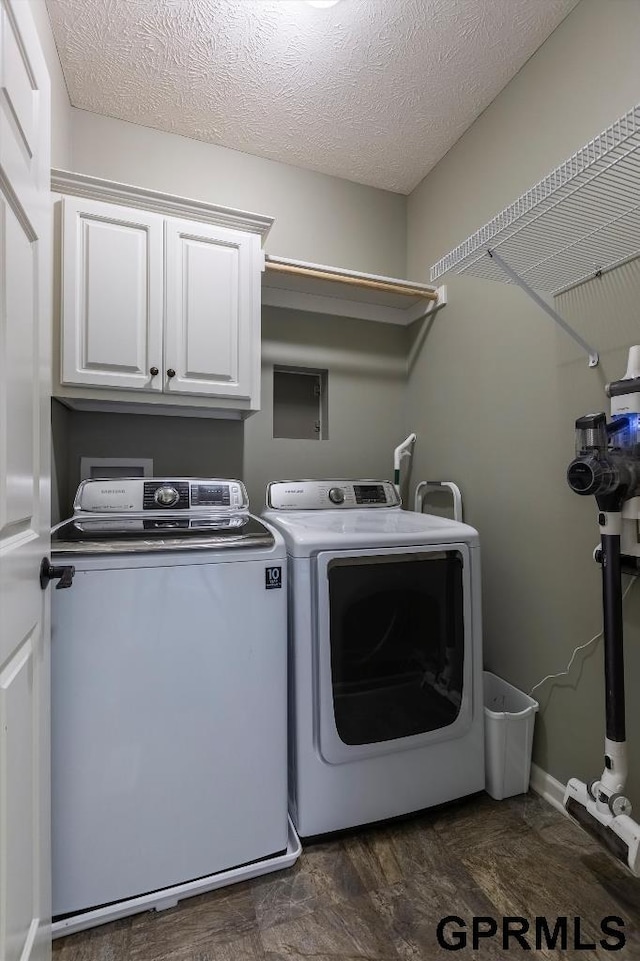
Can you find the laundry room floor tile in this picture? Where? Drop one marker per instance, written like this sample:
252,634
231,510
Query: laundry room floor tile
247,948
374,858
485,822
198,925
325,875
512,878
412,908
348,931
379,893
109,942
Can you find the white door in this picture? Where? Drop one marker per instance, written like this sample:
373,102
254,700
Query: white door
111,296
212,333
25,334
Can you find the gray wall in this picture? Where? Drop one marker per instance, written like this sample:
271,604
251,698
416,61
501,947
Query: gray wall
179,446
494,389
366,382
61,494
319,218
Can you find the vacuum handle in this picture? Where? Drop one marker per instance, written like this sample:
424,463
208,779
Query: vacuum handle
613,637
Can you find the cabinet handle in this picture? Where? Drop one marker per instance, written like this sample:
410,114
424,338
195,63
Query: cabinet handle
171,372
154,371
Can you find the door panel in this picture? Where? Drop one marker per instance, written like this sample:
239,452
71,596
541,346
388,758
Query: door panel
212,333
394,649
112,295
25,334
397,645
19,96
17,744
19,408
207,268
17,83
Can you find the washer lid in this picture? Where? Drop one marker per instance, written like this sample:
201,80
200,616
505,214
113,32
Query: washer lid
307,532
100,534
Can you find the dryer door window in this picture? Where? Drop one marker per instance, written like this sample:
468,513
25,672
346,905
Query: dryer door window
397,644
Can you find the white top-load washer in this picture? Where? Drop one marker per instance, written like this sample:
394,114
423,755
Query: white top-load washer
169,728
385,654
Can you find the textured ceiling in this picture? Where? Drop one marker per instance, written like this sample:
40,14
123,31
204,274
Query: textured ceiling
372,90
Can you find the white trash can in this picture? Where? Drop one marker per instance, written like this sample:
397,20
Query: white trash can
509,716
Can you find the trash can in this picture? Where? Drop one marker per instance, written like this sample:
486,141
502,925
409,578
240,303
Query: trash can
509,716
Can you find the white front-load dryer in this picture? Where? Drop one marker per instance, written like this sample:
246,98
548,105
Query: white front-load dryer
385,654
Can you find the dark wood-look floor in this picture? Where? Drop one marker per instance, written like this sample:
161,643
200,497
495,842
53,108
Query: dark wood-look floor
378,895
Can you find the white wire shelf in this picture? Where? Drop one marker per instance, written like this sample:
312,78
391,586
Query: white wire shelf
582,220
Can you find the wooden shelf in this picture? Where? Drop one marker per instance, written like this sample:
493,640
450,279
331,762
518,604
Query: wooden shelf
315,288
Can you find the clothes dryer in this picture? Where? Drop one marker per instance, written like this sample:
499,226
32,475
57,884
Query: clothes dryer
385,654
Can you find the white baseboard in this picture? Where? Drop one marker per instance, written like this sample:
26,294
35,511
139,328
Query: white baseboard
547,787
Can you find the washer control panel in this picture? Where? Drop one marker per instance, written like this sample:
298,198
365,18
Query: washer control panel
306,495
135,495
161,495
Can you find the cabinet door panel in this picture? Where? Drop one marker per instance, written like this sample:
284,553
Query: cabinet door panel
112,295
212,314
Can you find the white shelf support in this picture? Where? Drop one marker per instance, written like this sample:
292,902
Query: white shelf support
548,309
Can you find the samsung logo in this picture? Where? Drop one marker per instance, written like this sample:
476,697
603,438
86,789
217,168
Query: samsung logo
294,490
112,490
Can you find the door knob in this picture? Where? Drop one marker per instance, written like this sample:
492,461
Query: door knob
154,371
171,372
50,573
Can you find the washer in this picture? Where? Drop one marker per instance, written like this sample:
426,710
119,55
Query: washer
168,697
385,653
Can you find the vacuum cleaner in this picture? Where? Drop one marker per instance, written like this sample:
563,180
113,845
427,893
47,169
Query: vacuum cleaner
405,449
607,465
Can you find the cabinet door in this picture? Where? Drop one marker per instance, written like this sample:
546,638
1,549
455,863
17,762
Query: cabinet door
212,334
111,295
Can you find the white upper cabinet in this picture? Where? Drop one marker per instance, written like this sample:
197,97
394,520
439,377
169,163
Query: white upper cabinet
156,308
212,309
112,295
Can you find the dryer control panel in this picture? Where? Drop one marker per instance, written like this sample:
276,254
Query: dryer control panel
312,495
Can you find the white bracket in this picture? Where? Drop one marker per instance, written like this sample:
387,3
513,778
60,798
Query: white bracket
548,309
419,311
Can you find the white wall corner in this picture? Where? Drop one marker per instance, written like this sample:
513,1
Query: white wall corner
548,788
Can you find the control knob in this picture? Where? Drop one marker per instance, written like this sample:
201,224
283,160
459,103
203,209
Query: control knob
166,496
336,495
